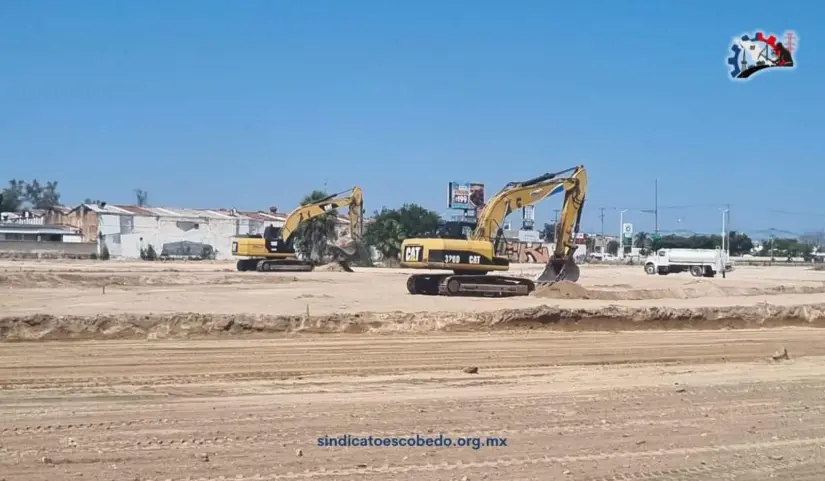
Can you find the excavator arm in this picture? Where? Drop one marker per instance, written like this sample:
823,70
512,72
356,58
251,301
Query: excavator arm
515,195
353,199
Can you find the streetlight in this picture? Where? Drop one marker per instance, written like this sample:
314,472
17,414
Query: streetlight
621,232
725,240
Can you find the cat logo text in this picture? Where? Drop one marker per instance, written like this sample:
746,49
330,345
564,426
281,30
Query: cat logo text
412,254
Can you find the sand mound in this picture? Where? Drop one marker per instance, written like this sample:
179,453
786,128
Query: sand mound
569,290
40,279
44,327
565,290
331,267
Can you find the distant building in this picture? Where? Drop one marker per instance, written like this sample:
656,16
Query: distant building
18,232
38,240
30,217
127,230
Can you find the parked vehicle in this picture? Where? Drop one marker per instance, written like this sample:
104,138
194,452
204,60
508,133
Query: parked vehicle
699,262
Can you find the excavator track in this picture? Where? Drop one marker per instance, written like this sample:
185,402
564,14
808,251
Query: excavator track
469,285
557,270
274,265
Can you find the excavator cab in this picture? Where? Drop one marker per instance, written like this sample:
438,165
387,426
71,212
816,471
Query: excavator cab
455,229
273,242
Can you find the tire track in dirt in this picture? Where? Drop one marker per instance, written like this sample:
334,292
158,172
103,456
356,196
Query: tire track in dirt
701,418
730,468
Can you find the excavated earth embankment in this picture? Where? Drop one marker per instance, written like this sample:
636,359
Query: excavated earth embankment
194,325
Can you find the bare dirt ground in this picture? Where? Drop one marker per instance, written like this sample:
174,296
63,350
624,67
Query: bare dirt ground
117,300
579,406
192,371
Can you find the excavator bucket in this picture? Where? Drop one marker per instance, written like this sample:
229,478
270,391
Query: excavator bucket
560,270
343,255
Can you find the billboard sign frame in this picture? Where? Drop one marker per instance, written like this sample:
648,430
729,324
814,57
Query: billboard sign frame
465,195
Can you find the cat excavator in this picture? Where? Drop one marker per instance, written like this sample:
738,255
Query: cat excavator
472,256
275,251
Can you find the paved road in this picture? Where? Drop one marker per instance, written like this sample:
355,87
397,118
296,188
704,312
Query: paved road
584,406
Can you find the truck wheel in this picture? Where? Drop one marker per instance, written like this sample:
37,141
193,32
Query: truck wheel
697,271
650,269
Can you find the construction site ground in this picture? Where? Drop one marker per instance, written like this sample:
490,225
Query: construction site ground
192,371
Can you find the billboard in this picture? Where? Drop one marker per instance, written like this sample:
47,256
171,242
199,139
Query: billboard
627,234
466,195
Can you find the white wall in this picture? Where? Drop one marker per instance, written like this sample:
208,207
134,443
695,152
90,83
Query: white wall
72,238
126,235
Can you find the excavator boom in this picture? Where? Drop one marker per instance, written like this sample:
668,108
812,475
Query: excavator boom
353,199
515,195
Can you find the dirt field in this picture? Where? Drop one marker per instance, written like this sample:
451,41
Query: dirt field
196,372
139,299
582,406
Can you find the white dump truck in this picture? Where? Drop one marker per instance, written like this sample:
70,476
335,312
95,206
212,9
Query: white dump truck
699,262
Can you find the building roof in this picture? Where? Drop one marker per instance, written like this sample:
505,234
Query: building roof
265,216
15,228
222,213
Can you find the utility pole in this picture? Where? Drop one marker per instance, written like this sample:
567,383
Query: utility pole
602,217
556,221
728,229
727,207
656,204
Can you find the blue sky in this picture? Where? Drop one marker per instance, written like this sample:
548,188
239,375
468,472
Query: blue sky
252,104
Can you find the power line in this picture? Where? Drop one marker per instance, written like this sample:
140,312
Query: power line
710,206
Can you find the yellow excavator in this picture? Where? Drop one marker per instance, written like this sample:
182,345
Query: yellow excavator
472,254
275,251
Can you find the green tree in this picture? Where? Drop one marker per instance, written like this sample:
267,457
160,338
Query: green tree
739,243
42,196
785,247
613,247
312,236
13,196
641,240
141,197
149,253
391,226
20,194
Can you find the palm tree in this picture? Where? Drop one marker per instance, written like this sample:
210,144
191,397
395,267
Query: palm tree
312,236
641,240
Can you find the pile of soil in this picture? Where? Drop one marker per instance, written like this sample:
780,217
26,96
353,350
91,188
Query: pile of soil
613,318
331,267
